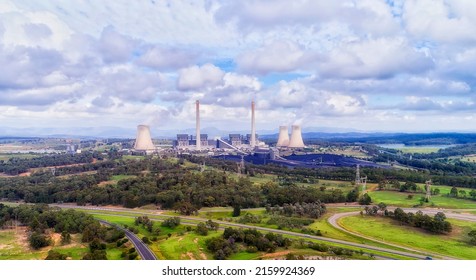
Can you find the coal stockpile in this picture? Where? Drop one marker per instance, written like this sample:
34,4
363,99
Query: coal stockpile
309,161
316,160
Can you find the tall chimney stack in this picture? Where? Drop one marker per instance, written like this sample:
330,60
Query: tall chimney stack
197,137
253,129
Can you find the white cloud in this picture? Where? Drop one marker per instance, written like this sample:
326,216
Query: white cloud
278,56
446,21
166,58
199,77
378,58
115,47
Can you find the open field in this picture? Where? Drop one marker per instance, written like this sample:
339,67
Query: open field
7,156
469,158
353,151
14,246
401,199
186,246
454,244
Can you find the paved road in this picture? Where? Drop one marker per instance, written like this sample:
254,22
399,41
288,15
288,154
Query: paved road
141,248
186,218
449,214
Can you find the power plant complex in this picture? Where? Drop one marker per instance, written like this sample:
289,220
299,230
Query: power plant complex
240,143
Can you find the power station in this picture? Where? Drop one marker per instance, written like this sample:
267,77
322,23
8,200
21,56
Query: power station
240,143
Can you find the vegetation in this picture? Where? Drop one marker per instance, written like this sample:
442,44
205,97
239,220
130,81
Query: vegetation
437,224
222,247
42,220
454,244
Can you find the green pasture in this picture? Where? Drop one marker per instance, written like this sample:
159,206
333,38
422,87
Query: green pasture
14,247
131,157
186,246
418,150
7,156
454,244
395,198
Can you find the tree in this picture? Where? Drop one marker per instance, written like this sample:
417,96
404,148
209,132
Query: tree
54,255
211,225
65,238
201,229
472,193
365,199
472,235
236,210
38,240
453,192
382,206
435,191
352,195
408,186
171,222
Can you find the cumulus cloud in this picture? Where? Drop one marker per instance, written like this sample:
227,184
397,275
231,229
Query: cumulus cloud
199,77
114,46
446,21
278,56
166,58
337,63
378,58
38,31
25,67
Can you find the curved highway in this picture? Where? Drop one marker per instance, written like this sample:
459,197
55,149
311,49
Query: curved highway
141,248
333,220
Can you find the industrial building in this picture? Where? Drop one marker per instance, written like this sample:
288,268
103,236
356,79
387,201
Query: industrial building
189,142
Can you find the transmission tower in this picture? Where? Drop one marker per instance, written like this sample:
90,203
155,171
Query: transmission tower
428,190
357,176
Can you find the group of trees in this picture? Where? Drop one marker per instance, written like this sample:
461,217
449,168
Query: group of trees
145,222
227,244
203,228
312,210
436,224
15,166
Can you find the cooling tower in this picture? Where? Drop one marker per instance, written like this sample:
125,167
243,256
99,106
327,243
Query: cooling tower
143,139
197,135
283,139
296,137
253,129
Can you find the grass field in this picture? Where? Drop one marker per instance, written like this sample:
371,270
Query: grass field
133,157
395,198
454,244
14,246
7,156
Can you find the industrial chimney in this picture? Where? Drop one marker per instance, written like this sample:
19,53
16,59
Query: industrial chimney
253,129
197,132
143,139
283,138
296,137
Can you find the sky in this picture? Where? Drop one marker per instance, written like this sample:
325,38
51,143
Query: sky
363,65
